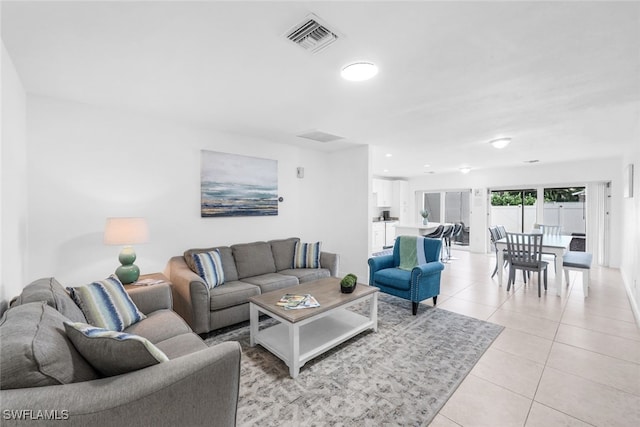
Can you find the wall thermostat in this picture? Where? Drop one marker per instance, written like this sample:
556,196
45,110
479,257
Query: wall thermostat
300,172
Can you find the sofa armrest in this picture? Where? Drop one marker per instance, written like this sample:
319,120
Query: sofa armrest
200,388
428,268
151,298
190,295
330,261
379,263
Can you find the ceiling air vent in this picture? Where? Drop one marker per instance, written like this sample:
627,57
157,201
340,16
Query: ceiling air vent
319,136
312,34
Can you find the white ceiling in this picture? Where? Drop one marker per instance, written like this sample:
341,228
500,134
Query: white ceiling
561,78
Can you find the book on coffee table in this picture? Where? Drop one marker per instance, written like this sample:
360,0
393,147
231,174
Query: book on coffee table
294,302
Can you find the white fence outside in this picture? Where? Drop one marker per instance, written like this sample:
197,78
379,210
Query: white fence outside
569,215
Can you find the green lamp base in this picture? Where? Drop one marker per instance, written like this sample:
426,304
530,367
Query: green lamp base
128,272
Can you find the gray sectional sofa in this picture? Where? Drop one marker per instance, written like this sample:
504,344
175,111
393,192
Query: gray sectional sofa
46,381
249,269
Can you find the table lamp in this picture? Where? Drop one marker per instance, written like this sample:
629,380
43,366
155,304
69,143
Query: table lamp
126,231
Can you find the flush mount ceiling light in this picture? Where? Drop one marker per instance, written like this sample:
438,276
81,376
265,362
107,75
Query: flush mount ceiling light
388,155
465,170
359,71
500,142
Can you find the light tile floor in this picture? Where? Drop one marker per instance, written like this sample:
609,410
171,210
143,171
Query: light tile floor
560,361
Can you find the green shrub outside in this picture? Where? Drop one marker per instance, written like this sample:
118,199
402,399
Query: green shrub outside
514,198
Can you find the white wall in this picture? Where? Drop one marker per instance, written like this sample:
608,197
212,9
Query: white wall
630,265
349,217
13,192
553,174
88,163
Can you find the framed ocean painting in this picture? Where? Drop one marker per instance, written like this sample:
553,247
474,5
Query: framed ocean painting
235,185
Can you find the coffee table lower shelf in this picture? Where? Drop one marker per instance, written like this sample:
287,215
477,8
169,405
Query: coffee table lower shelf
297,343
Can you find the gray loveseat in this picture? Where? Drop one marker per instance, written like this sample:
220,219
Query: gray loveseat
46,381
249,269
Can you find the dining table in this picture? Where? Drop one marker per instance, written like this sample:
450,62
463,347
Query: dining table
551,244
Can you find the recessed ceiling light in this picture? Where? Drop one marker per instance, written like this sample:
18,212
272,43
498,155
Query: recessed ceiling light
465,170
386,170
500,142
427,165
359,71
388,155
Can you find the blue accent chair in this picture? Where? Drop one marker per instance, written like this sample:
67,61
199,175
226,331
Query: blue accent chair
416,285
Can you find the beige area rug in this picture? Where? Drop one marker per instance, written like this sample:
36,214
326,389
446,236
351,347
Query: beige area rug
401,375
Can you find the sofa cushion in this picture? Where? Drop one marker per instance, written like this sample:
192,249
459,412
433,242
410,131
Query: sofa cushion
272,281
231,294
181,345
49,290
106,304
307,274
253,259
209,267
307,255
283,251
113,353
36,351
228,263
159,326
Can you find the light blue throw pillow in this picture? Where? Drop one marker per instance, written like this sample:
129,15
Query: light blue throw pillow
113,353
209,267
106,304
307,255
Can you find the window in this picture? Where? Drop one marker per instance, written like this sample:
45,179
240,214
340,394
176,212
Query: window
431,203
450,207
514,209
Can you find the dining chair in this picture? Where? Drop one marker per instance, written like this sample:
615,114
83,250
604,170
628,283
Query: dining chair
496,233
550,230
493,234
525,253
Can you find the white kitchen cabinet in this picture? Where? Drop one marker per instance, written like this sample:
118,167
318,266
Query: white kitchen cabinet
383,190
377,236
390,233
400,200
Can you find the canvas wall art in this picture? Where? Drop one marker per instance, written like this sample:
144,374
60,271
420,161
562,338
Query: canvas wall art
235,185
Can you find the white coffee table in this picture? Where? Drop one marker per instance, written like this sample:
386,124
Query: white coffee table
306,333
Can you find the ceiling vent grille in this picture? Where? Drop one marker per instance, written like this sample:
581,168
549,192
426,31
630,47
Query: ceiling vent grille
316,135
312,35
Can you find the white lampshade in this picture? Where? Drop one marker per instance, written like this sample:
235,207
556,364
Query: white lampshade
126,231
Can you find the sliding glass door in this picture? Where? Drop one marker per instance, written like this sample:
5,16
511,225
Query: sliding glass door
450,207
566,207
514,209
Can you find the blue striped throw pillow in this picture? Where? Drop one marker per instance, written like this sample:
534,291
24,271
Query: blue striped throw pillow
106,304
209,267
306,255
111,352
